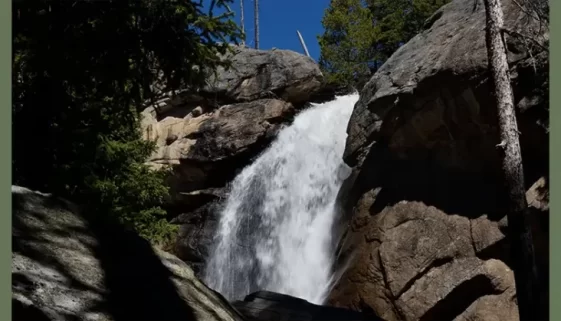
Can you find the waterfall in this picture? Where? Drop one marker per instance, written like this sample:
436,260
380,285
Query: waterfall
275,228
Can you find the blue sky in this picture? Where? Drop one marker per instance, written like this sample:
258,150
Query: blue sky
279,20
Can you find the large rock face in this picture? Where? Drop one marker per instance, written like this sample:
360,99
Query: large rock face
426,236
207,137
66,266
255,74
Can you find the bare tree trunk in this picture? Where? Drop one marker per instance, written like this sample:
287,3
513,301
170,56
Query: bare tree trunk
242,21
303,43
256,20
520,235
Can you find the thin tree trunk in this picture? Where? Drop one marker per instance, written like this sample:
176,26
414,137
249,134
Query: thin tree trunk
256,20
520,235
242,22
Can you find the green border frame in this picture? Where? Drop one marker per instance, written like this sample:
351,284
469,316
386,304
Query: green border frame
6,159
5,165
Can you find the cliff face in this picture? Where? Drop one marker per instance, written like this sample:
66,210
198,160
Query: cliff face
426,233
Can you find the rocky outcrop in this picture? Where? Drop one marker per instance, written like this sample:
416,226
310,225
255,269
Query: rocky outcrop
66,266
206,151
426,233
255,74
207,136
418,263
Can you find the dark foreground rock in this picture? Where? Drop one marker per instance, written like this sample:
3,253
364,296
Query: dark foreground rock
270,306
207,136
66,266
426,238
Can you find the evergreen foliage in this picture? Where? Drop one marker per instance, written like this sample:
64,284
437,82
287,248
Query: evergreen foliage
82,71
360,35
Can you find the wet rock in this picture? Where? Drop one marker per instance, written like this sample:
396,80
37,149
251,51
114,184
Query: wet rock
196,234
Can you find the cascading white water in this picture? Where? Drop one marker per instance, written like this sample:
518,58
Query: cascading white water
275,229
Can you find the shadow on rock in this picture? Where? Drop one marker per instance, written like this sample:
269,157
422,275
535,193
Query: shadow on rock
76,267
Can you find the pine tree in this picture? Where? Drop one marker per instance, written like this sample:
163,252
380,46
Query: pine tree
400,20
360,35
347,44
81,73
